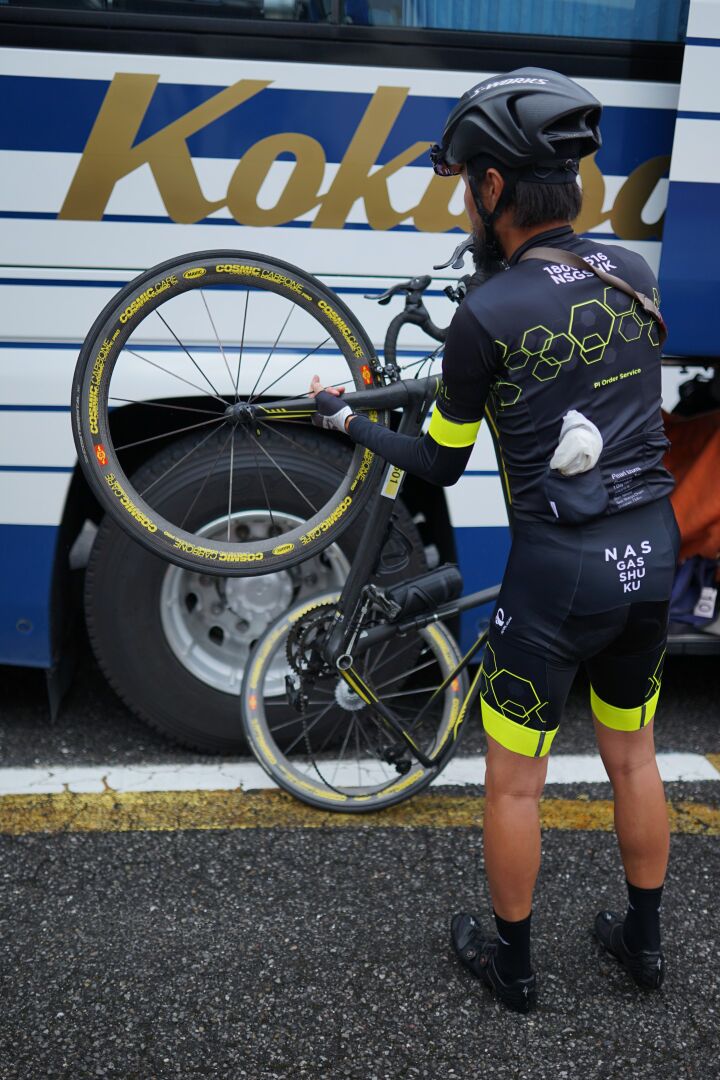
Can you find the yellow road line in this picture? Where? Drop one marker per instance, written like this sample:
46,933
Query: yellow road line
714,760
176,810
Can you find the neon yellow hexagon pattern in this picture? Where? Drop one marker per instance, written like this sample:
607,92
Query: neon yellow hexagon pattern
512,695
590,328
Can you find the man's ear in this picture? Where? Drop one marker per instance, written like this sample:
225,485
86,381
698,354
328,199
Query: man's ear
492,188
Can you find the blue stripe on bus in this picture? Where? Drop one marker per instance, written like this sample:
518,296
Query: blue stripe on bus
160,219
27,554
35,408
291,350
75,283
707,41
37,468
687,115
688,269
58,114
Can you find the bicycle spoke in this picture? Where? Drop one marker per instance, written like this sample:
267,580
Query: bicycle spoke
162,405
307,729
269,356
175,464
173,374
330,386
208,474
230,485
296,364
297,445
217,337
413,644
262,484
284,704
283,473
404,674
331,735
242,342
408,693
187,352
373,750
167,434
342,751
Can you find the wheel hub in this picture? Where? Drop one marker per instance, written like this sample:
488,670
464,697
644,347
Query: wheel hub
241,412
264,597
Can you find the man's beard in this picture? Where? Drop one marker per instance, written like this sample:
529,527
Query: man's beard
486,257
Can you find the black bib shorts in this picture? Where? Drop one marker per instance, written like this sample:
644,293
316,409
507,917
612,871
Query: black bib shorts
595,594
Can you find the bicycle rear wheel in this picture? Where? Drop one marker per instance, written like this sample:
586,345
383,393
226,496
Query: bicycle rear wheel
186,350
337,755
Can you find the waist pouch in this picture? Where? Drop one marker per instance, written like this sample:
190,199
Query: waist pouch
576,499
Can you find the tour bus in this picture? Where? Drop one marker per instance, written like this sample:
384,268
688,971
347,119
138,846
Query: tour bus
135,132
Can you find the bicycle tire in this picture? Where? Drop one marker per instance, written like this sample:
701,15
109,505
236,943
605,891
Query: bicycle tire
125,325
305,775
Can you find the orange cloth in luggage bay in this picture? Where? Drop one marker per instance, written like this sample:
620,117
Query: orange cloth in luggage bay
694,461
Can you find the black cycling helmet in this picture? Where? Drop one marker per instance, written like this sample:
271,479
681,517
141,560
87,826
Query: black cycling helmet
535,122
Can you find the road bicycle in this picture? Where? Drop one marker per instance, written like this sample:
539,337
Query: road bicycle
353,700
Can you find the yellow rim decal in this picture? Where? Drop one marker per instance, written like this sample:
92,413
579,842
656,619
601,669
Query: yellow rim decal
450,432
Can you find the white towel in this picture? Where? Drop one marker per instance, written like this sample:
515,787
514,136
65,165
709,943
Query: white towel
579,447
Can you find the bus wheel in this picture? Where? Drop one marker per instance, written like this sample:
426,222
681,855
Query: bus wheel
173,643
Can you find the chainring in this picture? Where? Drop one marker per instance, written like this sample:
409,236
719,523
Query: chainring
304,642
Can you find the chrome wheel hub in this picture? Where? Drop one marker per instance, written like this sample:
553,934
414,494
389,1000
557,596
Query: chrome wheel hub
211,623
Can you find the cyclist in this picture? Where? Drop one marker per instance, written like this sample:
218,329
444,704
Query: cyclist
563,364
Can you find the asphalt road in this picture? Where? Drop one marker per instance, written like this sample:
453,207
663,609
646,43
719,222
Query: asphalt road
290,952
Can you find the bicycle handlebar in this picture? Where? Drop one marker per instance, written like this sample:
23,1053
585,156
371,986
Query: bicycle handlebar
394,396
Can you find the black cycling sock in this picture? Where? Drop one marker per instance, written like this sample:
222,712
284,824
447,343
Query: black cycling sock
513,955
641,929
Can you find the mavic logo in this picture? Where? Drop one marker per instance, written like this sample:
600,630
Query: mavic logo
501,621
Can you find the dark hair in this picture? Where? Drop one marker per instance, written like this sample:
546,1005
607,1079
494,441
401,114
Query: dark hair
534,204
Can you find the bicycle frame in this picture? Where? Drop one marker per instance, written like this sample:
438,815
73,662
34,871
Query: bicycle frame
347,640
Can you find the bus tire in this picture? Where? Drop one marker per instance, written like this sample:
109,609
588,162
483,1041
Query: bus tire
126,587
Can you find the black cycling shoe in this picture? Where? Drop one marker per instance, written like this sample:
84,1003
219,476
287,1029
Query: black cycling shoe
647,968
477,953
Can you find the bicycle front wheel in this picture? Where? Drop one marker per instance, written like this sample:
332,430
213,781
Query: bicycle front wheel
180,357
336,754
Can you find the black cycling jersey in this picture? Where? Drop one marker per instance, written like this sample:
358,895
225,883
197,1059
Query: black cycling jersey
530,344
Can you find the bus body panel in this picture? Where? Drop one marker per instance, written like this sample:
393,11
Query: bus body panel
112,163
689,269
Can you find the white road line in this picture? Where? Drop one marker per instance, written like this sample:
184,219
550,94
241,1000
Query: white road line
247,775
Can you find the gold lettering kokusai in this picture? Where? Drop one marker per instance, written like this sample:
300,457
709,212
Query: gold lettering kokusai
111,153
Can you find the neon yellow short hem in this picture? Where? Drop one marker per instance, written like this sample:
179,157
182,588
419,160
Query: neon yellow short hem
623,719
514,736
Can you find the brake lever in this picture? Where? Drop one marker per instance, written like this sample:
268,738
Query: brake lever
416,285
457,259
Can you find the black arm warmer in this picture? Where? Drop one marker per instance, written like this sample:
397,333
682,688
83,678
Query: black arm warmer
421,456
